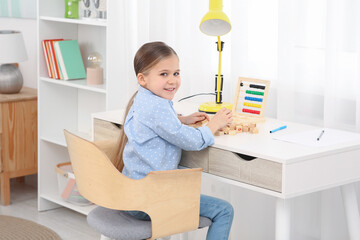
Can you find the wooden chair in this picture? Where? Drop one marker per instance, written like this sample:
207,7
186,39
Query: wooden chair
171,198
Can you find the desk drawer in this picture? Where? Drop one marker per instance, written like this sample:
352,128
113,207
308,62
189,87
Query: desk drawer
257,172
105,130
196,159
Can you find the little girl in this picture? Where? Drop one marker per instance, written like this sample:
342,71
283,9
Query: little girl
154,134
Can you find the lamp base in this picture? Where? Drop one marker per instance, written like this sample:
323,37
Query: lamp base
213,107
11,80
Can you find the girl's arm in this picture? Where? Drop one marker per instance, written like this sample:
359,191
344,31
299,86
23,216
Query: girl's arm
193,118
221,119
166,124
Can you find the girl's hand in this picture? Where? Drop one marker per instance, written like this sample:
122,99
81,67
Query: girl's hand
193,118
221,119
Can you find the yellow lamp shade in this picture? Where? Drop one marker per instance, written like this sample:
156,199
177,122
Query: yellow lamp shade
215,22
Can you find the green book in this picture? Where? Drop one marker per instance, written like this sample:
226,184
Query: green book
70,60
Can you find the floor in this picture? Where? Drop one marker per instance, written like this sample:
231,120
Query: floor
68,224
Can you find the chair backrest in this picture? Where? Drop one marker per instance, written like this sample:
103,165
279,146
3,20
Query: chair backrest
171,198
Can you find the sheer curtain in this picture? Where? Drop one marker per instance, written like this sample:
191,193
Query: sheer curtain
318,68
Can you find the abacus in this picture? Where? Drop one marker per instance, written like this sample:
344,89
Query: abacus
250,99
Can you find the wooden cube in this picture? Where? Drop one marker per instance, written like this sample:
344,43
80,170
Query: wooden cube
252,125
239,128
245,129
232,132
255,130
219,133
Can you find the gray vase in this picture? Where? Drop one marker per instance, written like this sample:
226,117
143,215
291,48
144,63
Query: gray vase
11,80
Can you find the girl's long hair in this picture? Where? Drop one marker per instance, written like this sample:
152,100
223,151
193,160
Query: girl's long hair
146,57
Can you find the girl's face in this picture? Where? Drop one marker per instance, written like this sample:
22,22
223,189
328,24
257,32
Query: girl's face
163,79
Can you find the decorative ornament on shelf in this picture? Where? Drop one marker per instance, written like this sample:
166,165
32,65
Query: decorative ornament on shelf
12,51
100,6
94,69
93,9
72,9
85,8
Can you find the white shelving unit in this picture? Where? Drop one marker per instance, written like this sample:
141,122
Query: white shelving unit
70,104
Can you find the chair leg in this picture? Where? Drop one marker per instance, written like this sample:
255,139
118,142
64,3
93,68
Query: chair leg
104,238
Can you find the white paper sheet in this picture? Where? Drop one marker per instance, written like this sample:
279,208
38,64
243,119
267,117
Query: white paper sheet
309,138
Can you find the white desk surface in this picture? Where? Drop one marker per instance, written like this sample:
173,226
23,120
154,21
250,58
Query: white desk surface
261,145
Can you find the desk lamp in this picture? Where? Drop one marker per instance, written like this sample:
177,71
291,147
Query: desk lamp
12,51
216,23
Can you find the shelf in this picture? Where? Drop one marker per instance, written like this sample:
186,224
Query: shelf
54,197
55,140
91,22
80,83
59,139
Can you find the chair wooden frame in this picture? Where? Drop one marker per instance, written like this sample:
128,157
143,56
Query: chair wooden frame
171,198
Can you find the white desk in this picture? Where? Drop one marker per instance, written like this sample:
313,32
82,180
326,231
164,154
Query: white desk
303,169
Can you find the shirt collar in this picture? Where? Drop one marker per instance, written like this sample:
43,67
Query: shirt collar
145,91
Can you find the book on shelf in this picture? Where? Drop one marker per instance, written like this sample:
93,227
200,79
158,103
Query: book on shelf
50,58
53,57
47,59
70,60
63,59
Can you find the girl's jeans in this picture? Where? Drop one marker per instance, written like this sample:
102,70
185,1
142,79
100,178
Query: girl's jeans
219,211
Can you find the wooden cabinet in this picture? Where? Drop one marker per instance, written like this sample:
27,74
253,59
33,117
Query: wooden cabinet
18,129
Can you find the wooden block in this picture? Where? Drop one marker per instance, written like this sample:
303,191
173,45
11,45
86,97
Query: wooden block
219,133
205,122
252,125
255,130
232,132
239,128
226,130
245,129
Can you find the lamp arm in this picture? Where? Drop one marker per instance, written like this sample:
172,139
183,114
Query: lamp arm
219,78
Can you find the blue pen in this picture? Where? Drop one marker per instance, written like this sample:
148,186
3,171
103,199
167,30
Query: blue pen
278,129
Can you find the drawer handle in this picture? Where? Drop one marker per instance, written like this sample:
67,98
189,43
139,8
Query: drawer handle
118,125
245,157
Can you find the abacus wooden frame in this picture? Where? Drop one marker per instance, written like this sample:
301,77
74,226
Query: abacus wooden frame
237,93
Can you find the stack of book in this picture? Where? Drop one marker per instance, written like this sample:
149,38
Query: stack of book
63,59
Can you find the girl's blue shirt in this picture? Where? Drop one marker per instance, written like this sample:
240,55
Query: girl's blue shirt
156,136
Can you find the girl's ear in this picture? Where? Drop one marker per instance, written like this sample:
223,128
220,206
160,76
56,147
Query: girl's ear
141,79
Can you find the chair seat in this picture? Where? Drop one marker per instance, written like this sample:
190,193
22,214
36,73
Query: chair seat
119,225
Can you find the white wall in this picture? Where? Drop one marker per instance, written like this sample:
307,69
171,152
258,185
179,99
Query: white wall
28,68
